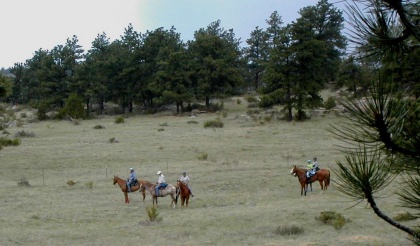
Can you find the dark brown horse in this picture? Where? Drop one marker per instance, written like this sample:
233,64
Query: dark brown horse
185,193
323,176
123,185
169,190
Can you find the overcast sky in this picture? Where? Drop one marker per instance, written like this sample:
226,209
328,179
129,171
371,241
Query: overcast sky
28,25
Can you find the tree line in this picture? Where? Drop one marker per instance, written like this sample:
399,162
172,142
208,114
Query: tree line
287,64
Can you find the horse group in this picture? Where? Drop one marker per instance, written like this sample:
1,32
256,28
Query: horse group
323,176
173,191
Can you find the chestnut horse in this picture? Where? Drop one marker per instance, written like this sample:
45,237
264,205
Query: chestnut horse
323,176
185,193
169,190
123,185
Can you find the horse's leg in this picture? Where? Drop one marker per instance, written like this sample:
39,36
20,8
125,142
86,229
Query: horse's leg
187,199
144,195
126,197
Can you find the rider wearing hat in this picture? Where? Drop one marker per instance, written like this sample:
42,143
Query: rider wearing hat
131,179
160,183
185,179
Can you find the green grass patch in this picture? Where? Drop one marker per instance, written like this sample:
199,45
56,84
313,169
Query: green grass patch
332,218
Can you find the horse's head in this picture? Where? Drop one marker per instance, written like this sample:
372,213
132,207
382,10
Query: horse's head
115,179
293,171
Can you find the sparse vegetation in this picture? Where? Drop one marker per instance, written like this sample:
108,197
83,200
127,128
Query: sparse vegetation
153,214
24,134
330,103
289,230
404,217
98,127
202,156
251,99
23,182
119,120
192,122
332,218
89,184
216,123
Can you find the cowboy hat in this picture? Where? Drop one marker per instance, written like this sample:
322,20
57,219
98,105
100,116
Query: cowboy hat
159,172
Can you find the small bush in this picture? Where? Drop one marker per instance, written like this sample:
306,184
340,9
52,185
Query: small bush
216,123
23,182
89,184
23,115
119,120
202,156
213,107
9,142
289,230
164,124
251,99
330,103
24,134
112,140
98,127
153,214
404,217
332,218
238,101
161,129
192,122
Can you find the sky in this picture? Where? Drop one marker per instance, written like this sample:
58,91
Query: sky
29,25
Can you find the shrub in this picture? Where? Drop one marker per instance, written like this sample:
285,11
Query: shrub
24,134
153,214
332,218
112,140
288,230
213,123
238,101
251,99
202,156
192,122
23,115
119,120
98,127
9,142
330,103
213,107
89,184
404,217
23,182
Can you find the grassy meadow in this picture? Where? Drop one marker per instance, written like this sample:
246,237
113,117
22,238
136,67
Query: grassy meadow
244,191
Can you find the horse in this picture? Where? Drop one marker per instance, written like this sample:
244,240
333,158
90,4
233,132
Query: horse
123,185
323,176
169,190
185,193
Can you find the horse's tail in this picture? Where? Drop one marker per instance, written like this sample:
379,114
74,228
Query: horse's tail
327,181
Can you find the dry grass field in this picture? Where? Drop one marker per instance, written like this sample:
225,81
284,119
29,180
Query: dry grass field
244,190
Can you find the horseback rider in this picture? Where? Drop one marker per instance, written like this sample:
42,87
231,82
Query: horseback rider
310,171
131,180
185,179
160,183
316,167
